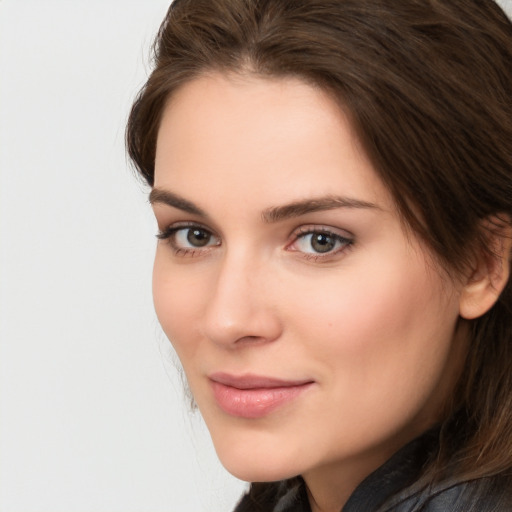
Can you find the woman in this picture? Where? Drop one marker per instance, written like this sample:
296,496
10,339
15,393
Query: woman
332,182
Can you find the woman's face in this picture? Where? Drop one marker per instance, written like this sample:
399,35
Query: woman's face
314,331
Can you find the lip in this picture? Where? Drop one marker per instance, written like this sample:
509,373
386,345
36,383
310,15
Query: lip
253,396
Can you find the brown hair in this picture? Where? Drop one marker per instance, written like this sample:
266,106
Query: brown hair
428,87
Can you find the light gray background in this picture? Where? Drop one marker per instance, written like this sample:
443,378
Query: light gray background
92,413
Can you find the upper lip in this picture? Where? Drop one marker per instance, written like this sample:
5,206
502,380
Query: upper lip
251,381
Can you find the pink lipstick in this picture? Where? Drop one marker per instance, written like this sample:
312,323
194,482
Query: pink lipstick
252,396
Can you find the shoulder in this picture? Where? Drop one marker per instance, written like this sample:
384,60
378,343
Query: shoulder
489,494
283,496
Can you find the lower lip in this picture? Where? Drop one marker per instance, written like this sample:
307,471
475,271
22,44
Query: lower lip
254,403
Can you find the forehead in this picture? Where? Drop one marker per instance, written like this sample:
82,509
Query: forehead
276,139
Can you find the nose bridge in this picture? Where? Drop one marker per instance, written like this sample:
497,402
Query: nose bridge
238,308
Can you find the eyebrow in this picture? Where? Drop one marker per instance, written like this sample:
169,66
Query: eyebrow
158,195
272,214
298,208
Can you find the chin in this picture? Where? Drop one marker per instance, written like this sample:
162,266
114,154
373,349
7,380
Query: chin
267,449
250,472
253,461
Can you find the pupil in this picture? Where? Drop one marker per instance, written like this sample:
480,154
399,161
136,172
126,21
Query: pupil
198,237
322,242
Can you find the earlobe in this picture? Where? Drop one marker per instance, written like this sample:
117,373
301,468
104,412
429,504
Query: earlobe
490,272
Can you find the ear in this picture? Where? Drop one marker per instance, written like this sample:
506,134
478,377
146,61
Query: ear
491,269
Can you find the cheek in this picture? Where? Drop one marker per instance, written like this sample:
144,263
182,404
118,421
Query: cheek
382,332
380,345
175,299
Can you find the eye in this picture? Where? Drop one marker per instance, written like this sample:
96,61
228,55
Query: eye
192,237
319,242
188,239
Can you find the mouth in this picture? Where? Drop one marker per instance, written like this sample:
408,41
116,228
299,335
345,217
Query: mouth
253,396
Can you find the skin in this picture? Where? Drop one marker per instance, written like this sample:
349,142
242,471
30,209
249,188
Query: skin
372,323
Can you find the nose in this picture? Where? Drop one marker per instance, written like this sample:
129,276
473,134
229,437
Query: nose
241,307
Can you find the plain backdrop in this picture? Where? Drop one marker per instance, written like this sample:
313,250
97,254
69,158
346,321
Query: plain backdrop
92,412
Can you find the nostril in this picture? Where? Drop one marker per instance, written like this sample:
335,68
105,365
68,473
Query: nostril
252,340
251,326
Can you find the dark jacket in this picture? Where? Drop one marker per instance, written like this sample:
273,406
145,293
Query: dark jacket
394,487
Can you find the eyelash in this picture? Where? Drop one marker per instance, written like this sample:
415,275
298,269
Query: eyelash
344,242
169,235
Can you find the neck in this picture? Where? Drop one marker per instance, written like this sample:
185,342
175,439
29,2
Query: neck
330,487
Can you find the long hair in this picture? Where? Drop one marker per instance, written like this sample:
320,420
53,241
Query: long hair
427,86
